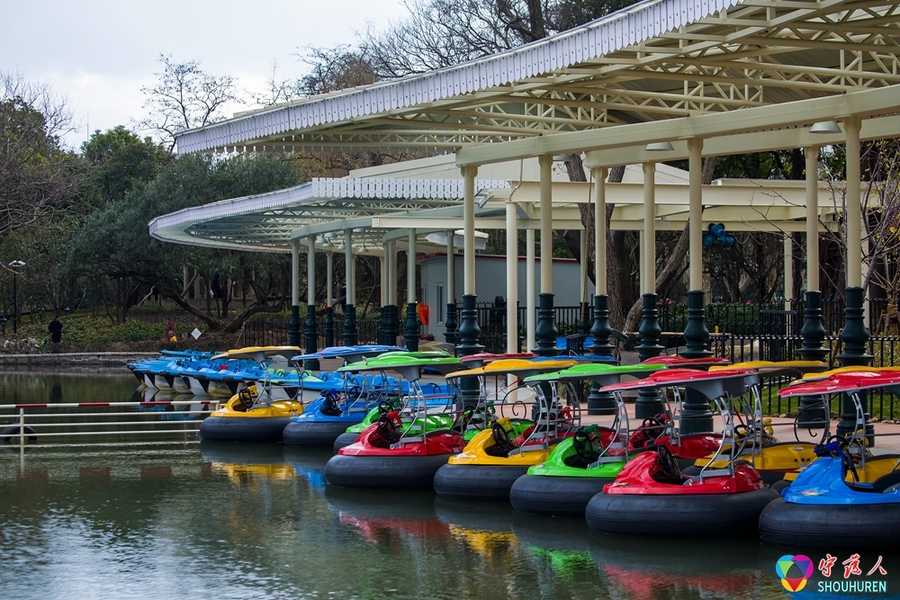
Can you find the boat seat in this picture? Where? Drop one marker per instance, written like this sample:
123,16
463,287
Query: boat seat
883,484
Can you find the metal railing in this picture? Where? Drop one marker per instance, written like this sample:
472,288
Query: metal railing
103,423
275,331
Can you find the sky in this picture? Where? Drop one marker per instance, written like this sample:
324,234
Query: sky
99,53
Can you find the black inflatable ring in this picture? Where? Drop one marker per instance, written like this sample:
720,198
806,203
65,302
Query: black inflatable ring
10,435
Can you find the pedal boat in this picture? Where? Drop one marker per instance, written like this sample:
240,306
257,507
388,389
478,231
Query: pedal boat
508,442
406,446
339,407
652,496
251,415
844,499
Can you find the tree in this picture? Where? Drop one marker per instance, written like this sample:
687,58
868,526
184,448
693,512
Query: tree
120,161
185,97
113,242
38,178
441,33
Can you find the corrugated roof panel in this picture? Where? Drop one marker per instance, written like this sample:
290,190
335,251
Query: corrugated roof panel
601,37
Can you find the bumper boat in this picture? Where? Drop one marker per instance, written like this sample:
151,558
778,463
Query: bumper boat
337,408
653,496
497,455
251,415
405,446
775,460
581,465
844,499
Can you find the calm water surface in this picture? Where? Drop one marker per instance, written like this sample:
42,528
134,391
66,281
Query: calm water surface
258,521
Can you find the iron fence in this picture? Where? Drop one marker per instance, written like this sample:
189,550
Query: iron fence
275,331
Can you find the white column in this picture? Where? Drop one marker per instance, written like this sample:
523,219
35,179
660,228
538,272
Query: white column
295,272
788,272
411,268
854,208
648,249
546,164
311,271
451,269
348,267
392,272
599,176
382,261
811,154
469,173
329,284
695,204
529,289
512,276
583,270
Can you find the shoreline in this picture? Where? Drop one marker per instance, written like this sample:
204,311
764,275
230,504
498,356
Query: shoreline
76,359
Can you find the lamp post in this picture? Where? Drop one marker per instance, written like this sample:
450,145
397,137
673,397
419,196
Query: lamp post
15,266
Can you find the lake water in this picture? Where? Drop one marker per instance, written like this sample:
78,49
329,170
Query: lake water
258,521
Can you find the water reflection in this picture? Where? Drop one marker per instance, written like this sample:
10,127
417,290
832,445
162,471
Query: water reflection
32,386
258,521
247,464
651,568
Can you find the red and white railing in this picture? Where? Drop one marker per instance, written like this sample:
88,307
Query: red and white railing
102,423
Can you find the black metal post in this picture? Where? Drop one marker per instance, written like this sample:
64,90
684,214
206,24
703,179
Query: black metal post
294,326
601,403
312,337
329,326
648,403
469,332
450,334
351,336
545,331
584,324
696,416
412,328
854,337
392,324
812,413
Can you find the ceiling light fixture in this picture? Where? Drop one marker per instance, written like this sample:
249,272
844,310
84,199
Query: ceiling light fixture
659,147
830,127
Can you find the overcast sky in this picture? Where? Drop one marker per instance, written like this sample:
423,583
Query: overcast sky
99,53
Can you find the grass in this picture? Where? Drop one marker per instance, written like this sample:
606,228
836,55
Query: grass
85,332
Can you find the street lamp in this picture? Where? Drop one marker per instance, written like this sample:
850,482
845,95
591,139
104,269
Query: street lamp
15,266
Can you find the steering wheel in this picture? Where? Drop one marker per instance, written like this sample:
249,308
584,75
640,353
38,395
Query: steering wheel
384,407
583,444
388,429
668,464
653,427
843,446
245,396
649,431
501,438
354,392
330,405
